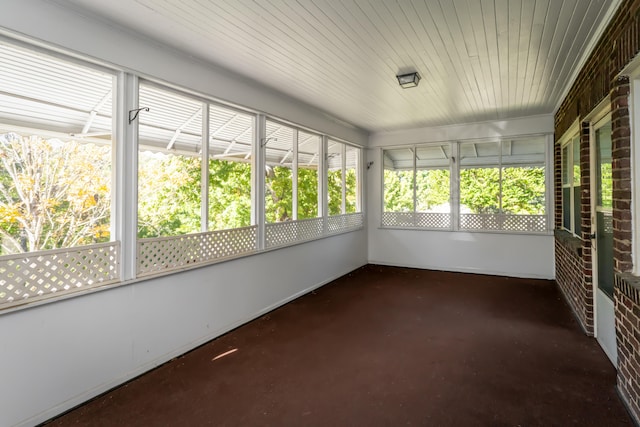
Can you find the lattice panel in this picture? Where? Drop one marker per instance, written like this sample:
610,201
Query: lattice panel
532,223
525,223
398,219
176,252
283,233
35,275
339,223
433,220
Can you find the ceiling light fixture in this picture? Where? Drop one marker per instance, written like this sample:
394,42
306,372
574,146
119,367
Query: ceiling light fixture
408,80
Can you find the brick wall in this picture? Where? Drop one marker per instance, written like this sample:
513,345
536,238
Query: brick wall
617,47
598,79
570,279
627,306
621,169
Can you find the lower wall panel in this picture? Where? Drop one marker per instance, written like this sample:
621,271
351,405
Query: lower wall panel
58,355
519,255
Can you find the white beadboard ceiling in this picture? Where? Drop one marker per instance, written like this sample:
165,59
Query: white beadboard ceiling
479,59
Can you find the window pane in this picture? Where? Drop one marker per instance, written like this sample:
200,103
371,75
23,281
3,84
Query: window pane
279,175
308,161
577,229
576,160
565,164
566,207
604,173
480,190
352,186
480,177
230,140
433,179
169,163
523,190
334,177
55,153
398,180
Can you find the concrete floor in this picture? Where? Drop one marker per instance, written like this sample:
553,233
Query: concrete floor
385,346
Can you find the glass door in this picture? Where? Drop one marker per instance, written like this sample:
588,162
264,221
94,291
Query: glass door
602,239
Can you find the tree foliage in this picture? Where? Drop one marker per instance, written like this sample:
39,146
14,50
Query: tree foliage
56,194
522,190
53,194
168,194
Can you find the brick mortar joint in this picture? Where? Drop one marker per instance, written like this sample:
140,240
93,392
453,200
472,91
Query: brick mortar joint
628,285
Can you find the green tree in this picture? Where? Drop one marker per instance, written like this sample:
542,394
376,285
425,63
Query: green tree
398,190
229,194
432,189
168,194
307,193
53,194
278,194
334,190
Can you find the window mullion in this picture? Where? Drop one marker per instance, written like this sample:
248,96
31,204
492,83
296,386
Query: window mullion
323,195
413,186
258,179
500,177
204,179
294,175
125,173
343,154
454,198
548,166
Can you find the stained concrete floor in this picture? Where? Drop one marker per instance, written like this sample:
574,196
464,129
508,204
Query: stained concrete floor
385,346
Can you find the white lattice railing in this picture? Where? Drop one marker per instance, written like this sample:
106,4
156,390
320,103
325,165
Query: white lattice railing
503,222
33,276
162,254
341,223
289,232
430,220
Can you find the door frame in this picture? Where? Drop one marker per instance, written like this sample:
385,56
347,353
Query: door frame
601,116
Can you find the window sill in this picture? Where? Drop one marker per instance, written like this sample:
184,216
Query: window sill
569,240
450,230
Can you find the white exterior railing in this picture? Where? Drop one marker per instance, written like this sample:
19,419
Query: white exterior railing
33,276
504,222
427,220
161,254
164,254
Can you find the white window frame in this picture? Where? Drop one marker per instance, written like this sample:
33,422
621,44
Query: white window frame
454,195
570,137
124,246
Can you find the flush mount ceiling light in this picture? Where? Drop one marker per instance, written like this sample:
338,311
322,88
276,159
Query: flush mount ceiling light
408,80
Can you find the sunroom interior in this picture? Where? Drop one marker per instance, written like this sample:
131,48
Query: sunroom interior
220,174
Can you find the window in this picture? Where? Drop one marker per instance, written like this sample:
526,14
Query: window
571,219
308,179
231,136
55,175
343,171
501,185
197,184
55,152
335,177
279,172
352,180
398,180
417,187
169,163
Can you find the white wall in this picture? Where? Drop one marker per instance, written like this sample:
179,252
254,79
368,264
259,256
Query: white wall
58,355
520,255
